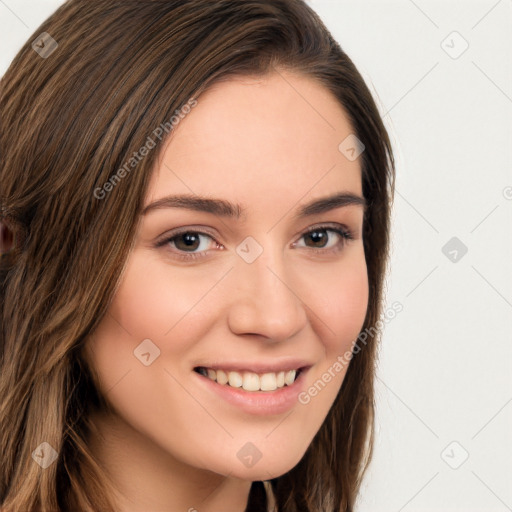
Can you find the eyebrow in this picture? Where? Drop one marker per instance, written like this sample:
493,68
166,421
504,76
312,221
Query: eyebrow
223,208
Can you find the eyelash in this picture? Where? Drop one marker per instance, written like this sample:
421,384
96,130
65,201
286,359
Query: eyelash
340,230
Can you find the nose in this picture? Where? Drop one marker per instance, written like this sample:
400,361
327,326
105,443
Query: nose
266,300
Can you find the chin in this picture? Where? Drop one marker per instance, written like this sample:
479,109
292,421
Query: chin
265,468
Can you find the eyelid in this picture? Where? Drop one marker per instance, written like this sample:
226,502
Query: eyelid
329,225
212,233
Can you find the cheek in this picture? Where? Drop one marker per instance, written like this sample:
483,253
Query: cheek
341,305
337,305
153,302
162,302
340,309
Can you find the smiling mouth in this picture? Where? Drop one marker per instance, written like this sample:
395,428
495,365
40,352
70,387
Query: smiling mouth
250,381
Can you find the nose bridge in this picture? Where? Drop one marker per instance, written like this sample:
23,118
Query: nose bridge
264,300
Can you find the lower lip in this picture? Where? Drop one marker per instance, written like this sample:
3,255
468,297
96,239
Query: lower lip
261,403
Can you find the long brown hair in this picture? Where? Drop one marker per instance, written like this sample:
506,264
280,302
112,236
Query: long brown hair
69,120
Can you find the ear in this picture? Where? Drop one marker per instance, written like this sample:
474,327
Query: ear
13,234
6,237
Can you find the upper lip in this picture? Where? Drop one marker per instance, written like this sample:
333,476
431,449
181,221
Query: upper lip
274,366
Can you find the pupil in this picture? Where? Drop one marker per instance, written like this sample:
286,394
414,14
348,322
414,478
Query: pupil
189,239
318,236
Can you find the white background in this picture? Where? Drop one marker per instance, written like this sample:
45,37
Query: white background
444,381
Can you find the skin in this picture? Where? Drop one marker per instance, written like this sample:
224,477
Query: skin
271,145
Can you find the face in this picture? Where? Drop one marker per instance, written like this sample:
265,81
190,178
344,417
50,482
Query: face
208,294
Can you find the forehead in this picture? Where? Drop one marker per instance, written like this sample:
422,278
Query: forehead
259,140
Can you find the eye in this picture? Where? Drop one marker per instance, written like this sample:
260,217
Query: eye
324,243
187,242
190,244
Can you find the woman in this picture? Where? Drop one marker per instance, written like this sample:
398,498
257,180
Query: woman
195,202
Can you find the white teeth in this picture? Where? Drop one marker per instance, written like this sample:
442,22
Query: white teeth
235,379
289,377
250,381
222,378
268,382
